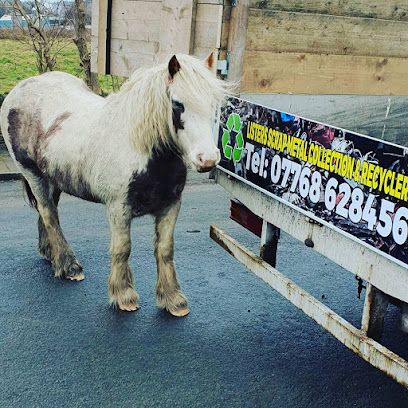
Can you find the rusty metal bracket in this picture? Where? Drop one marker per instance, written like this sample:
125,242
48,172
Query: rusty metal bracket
360,286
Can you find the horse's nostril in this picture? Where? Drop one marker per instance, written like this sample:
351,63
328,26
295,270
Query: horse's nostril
205,165
200,159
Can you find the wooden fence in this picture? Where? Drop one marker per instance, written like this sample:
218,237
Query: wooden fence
327,47
281,46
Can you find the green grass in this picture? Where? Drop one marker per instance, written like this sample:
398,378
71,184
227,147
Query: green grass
17,62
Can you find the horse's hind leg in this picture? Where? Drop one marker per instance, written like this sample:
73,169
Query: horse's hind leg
44,247
168,293
52,243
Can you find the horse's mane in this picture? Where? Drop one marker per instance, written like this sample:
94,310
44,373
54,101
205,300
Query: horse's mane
143,101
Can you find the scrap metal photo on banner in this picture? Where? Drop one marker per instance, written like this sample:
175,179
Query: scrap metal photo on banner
350,182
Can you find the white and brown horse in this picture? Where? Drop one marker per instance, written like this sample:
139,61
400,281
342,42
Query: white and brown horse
129,151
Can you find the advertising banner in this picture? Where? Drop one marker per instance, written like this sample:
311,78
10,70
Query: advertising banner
352,183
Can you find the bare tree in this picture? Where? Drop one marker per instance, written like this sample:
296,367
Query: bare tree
44,36
80,40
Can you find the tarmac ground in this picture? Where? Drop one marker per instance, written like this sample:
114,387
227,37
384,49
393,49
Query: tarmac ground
8,170
242,345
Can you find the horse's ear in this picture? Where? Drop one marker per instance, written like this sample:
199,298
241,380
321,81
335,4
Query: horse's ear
209,61
174,66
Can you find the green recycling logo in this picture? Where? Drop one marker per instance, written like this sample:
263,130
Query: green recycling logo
233,124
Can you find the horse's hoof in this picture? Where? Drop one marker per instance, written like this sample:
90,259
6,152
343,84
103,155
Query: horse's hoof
73,271
180,312
129,307
45,253
77,278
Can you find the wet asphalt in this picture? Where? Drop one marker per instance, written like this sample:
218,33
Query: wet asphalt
242,345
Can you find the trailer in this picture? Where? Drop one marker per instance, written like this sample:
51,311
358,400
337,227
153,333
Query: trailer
321,185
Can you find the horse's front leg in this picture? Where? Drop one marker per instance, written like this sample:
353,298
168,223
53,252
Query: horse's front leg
120,286
168,292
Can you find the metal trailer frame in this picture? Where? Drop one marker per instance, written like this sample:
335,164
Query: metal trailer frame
386,280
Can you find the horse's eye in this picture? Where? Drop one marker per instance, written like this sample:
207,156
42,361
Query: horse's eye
178,109
177,105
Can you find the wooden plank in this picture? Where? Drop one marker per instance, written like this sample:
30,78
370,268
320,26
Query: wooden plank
210,13
384,274
123,64
138,30
207,35
220,2
134,46
323,74
135,35
102,20
237,38
367,348
384,9
203,52
136,10
281,31
176,27
208,23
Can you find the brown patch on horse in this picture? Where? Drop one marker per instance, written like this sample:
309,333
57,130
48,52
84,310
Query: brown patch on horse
43,137
23,129
29,141
29,138
55,125
14,123
75,186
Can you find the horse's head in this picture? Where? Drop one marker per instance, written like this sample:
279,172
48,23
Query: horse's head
194,93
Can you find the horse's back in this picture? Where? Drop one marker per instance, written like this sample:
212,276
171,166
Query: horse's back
46,97
47,119
49,92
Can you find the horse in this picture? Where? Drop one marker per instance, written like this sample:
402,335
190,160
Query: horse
129,151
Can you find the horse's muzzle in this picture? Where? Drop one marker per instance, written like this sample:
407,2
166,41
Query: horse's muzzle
205,169
206,165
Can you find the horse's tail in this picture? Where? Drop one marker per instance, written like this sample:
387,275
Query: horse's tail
31,198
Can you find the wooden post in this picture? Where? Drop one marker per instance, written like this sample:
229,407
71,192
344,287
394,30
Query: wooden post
269,243
102,25
375,307
237,39
176,27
